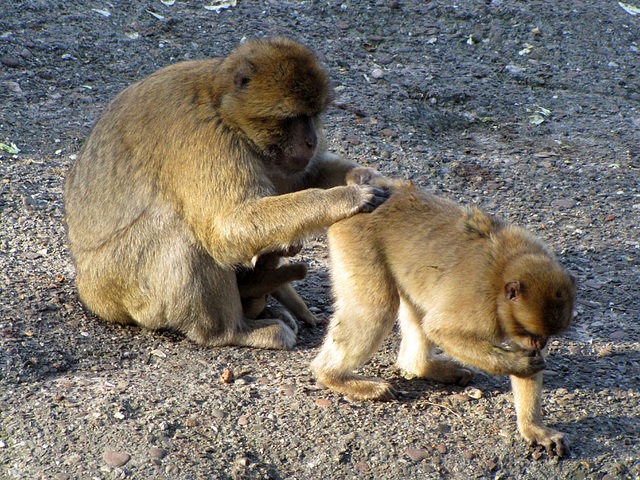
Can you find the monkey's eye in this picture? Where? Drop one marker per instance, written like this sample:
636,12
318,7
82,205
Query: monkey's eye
558,294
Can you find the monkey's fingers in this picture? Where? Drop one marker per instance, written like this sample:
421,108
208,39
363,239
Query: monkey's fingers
374,197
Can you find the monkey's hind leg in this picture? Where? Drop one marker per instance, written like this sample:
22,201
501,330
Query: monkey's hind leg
367,302
416,356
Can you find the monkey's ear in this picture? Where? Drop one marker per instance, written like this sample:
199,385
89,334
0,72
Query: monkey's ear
512,290
243,76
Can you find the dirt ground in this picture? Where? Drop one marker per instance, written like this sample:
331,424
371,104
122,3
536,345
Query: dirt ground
529,109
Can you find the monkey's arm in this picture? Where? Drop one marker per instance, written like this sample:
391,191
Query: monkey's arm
527,394
273,223
482,354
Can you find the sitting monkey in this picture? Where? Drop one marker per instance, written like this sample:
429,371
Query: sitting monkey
194,171
455,278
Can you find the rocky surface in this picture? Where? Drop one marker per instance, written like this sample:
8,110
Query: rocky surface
527,109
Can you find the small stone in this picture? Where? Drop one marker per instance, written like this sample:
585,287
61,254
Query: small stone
74,458
61,476
490,465
618,335
172,469
323,402
156,452
155,461
441,448
353,140
288,392
383,59
9,61
377,73
263,381
387,132
474,393
394,4
227,376
417,454
242,421
342,25
609,218
467,454
607,477
460,397
115,459
362,467
219,414
192,421
536,31
563,203
25,53
242,461
14,87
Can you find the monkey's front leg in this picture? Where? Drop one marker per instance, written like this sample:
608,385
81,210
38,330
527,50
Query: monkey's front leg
527,394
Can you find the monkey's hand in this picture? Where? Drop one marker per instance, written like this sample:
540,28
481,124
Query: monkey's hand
371,198
521,363
552,440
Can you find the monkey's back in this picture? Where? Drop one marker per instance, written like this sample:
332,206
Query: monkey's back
149,135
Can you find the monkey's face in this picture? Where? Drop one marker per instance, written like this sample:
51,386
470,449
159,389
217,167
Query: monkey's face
273,92
538,301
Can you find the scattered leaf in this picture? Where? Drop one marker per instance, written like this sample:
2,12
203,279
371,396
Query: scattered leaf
104,13
11,148
157,15
218,5
630,9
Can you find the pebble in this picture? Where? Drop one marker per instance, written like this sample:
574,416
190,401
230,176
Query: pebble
172,469
242,421
323,402
353,140
460,397
563,203
417,454
377,73
383,59
362,466
192,421
467,454
474,393
9,61
74,458
388,132
441,448
156,452
263,381
618,335
61,476
342,25
115,459
219,414
227,376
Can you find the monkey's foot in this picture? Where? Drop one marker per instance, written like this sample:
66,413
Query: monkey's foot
437,369
282,315
552,440
362,388
265,333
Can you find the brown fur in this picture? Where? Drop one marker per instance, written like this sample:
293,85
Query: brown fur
455,278
192,172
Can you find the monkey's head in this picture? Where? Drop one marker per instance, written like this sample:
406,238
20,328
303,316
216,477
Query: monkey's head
536,300
273,92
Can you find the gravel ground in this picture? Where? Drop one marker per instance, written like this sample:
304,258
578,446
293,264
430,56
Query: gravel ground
526,108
